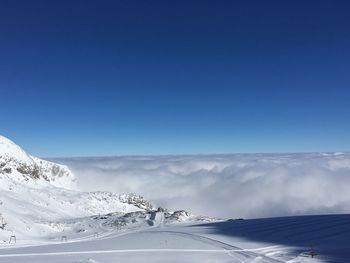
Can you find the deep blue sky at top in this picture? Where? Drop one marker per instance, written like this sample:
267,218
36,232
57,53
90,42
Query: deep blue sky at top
167,77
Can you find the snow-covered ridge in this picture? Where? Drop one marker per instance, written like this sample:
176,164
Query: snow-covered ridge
11,151
16,166
40,200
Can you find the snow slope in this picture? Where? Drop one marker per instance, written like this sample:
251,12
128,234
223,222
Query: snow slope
326,235
39,199
40,202
19,168
272,240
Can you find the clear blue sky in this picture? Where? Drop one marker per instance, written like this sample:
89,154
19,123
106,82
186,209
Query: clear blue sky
84,78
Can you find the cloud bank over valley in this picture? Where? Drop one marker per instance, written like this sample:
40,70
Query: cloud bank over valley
234,185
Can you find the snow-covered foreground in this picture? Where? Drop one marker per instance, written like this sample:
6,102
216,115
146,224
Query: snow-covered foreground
261,240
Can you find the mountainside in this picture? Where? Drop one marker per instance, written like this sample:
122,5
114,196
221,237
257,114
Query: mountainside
17,167
39,200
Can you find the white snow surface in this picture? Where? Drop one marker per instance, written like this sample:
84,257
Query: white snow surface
276,240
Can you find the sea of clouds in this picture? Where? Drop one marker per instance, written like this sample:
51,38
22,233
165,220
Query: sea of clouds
226,186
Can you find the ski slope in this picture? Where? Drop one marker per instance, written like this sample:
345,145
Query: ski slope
171,245
287,239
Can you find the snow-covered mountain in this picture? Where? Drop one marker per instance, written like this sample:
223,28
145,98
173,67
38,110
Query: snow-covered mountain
39,200
51,220
17,167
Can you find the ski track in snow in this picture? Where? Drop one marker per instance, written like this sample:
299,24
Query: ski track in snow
230,249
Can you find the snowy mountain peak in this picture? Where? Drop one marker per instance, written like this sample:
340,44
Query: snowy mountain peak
10,150
18,167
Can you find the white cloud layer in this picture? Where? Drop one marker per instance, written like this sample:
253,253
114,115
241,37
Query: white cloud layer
248,185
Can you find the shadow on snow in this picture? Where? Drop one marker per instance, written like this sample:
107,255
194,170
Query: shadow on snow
329,235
